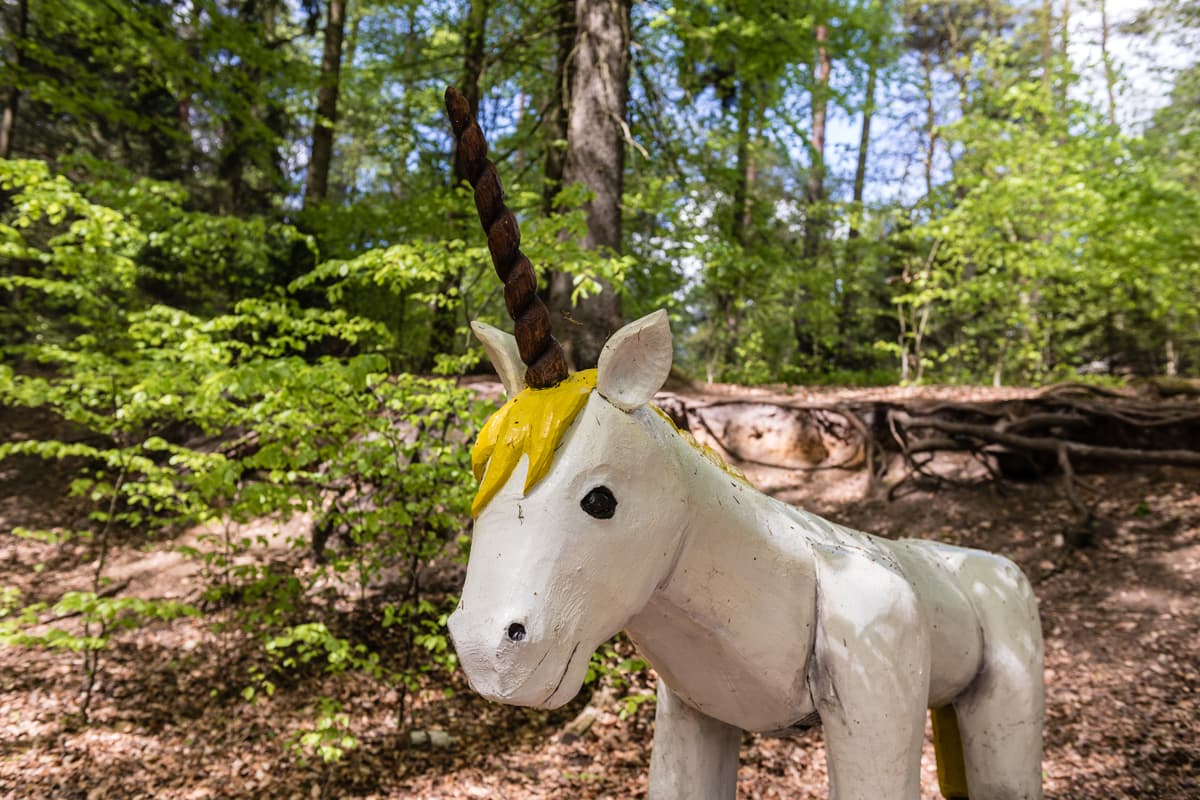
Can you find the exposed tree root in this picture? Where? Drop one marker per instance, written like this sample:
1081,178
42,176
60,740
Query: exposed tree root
1056,432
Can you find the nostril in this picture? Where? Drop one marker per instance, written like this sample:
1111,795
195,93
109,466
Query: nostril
516,632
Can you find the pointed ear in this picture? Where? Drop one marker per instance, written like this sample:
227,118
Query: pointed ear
501,348
635,362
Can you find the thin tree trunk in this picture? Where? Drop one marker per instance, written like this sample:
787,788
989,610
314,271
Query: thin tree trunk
1047,45
1109,75
957,58
317,183
815,184
596,131
814,187
930,120
9,119
730,288
864,139
849,285
354,159
407,126
559,285
1064,32
444,327
555,124
740,218
472,75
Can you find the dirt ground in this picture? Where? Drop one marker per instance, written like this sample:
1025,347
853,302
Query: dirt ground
1121,617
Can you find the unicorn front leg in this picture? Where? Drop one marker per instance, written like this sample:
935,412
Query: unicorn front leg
695,756
869,677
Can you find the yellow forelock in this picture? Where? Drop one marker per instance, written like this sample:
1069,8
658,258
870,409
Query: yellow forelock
532,424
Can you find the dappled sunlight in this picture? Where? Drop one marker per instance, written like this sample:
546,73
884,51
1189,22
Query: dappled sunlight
752,277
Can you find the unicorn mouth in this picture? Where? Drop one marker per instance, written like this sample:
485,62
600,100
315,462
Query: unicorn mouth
547,702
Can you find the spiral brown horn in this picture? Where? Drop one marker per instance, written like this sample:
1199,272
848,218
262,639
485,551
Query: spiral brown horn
546,364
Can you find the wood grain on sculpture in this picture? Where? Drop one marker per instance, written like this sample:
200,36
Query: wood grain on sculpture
595,515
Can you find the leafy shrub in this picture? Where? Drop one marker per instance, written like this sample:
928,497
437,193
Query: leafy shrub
201,416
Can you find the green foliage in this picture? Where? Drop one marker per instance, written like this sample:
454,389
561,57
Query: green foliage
220,418
230,361
1055,245
329,738
614,665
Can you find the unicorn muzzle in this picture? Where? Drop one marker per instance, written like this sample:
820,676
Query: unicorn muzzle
509,660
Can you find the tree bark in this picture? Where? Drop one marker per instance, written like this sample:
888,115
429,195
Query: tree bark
559,285
472,75
596,132
353,150
555,124
317,182
729,289
444,326
864,137
9,120
1047,45
849,286
1109,77
407,125
930,120
745,167
815,185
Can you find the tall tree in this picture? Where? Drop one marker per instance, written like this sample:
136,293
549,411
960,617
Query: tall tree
814,187
596,131
849,283
1110,79
474,40
555,123
317,182
445,314
9,120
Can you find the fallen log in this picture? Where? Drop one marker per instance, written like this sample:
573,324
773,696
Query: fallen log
1052,432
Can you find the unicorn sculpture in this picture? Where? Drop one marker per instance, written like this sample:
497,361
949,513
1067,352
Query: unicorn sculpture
595,514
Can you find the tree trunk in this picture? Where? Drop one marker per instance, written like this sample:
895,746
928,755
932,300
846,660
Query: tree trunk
317,182
445,317
740,220
1064,33
864,138
408,84
558,285
555,124
596,133
1047,45
9,120
726,320
849,284
930,120
1109,76
354,150
472,75
815,185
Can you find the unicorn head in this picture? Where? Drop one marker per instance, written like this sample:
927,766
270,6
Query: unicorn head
578,517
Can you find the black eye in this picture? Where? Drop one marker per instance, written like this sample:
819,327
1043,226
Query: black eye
600,503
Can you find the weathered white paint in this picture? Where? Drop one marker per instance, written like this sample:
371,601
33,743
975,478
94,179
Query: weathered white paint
757,616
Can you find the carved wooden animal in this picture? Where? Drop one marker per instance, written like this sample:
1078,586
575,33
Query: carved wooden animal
595,515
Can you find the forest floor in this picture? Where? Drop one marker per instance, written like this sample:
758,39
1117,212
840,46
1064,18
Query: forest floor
1121,619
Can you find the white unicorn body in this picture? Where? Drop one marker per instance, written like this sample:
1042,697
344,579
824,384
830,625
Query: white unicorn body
757,616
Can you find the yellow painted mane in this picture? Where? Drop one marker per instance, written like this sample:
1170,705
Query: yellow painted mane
532,424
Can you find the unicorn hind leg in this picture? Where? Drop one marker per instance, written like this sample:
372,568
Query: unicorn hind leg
1000,715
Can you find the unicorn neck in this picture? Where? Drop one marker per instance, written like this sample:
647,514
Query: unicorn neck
743,568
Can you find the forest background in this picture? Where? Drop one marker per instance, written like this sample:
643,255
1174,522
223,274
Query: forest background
237,266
